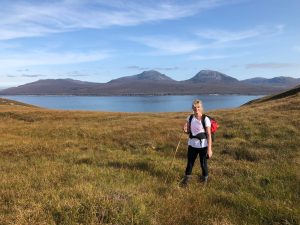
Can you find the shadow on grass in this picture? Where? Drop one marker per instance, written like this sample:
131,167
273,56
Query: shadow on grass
247,153
138,166
19,116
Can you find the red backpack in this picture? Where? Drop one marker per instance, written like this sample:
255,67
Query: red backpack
213,128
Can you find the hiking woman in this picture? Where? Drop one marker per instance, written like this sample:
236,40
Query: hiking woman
200,141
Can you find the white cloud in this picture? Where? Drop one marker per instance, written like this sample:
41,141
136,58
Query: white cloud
270,65
223,36
209,39
215,56
297,48
46,58
168,45
207,57
226,36
32,75
22,19
156,68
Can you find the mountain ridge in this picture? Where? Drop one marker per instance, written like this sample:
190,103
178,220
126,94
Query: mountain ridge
155,83
277,81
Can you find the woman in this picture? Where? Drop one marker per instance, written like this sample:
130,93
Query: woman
200,141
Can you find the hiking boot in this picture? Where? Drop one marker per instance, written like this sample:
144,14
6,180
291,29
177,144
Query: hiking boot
203,179
184,182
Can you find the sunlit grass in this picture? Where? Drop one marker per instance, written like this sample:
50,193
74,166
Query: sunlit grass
72,167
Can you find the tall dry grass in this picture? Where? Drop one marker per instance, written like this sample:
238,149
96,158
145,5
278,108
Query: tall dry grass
73,167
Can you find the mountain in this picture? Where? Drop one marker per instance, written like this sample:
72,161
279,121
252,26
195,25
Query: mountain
154,83
276,81
210,76
150,75
146,83
49,86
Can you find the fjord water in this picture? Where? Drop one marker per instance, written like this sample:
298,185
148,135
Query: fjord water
168,103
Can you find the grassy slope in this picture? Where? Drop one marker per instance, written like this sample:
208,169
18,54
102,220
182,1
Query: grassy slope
7,102
289,93
69,167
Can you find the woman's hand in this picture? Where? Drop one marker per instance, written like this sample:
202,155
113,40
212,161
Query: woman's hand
209,153
185,128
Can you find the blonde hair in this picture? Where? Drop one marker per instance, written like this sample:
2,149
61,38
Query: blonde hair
196,103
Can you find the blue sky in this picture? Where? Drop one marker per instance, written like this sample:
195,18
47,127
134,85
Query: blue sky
100,40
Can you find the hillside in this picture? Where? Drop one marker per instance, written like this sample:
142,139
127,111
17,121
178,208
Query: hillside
153,83
69,167
294,92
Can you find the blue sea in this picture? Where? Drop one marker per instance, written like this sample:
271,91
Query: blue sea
168,103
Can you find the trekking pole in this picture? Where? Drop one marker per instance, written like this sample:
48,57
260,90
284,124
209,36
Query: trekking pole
174,156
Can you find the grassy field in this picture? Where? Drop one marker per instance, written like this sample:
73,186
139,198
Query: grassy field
75,167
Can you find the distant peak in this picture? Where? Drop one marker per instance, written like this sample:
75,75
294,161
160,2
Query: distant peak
149,75
211,73
150,72
211,76
152,75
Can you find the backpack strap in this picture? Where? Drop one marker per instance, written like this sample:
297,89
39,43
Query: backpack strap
204,124
190,122
203,121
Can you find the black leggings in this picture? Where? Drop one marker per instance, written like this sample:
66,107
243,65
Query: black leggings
192,155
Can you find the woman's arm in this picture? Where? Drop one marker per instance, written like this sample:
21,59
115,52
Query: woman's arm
209,142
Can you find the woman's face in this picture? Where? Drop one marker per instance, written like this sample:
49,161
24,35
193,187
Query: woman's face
197,109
